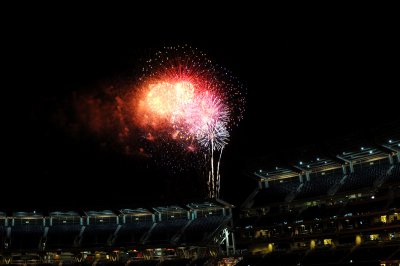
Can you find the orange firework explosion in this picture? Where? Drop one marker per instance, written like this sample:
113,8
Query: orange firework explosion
160,102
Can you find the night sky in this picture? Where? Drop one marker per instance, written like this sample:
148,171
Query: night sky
315,85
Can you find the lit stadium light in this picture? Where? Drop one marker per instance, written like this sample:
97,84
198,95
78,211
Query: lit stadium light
301,163
362,148
317,159
260,171
390,141
276,168
372,197
344,153
308,166
325,162
370,152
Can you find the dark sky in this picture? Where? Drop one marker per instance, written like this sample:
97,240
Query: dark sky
315,84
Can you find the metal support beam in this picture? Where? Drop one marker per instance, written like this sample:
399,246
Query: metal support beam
390,159
233,243
227,241
301,178
347,161
303,171
395,150
344,169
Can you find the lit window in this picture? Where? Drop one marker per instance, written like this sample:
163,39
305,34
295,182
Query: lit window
374,236
358,240
270,247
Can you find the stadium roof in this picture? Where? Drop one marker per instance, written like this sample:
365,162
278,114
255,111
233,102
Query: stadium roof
170,209
321,164
205,205
27,214
318,165
104,213
393,145
276,174
364,155
136,212
177,208
59,213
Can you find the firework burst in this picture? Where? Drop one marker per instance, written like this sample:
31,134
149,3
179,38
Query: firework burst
183,97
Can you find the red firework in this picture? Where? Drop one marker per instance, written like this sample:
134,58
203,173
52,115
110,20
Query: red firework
182,95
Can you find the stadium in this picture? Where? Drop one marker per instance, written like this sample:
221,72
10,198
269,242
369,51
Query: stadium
181,233
337,211
249,139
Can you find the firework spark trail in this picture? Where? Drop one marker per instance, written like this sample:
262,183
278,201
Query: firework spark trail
218,175
184,97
